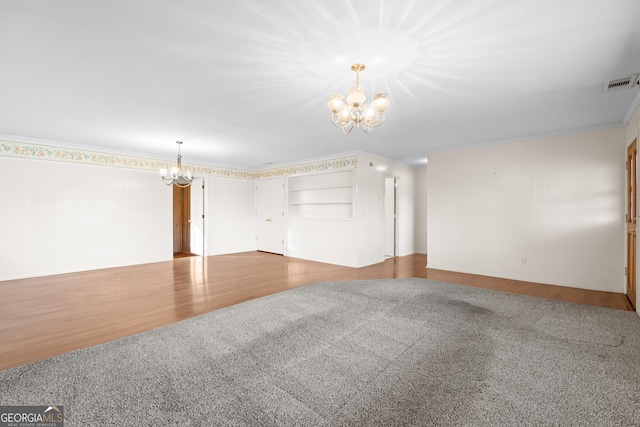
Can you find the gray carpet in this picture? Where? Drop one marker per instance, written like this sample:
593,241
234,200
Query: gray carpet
364,353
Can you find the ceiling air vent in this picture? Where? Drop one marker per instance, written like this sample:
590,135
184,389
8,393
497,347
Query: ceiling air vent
621,83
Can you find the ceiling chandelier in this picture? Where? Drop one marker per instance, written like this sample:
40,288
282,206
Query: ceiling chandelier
176,174
356,111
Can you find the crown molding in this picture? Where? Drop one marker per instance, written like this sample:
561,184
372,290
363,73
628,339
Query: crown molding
632,109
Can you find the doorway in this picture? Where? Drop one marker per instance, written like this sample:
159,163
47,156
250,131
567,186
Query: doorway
631,217
181,224
390,216
188,220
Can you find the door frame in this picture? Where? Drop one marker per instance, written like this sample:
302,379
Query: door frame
200,195
631,217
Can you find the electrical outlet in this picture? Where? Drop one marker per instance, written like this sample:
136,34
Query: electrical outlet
523,261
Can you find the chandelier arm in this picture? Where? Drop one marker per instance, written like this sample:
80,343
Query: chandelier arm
377,122
339,123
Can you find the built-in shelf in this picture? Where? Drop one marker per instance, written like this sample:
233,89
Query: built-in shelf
321,196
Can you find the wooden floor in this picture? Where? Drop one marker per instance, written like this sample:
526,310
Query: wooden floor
47,316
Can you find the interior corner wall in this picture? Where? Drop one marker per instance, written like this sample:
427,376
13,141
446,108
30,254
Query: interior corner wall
230,220
547,211
60,217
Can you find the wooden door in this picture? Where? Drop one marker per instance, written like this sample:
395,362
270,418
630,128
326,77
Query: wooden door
270,215
631,219
181,216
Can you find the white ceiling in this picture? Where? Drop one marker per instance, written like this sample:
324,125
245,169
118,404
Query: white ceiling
245,82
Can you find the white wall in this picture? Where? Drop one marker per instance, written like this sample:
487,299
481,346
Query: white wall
370,210
328,241
557,202
60,217
230,223
107,217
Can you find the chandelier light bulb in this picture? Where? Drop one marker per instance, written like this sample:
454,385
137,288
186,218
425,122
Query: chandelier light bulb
370,115
380,101
344,115
356,97
336,104
356,112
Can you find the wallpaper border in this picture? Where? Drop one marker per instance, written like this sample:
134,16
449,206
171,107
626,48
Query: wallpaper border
60,154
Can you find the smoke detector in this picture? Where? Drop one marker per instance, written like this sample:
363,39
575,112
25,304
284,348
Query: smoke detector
621,83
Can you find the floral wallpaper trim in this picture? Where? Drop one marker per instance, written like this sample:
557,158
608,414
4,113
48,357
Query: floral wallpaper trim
345,162
45,152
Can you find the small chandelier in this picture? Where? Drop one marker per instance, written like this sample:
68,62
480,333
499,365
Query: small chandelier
176,175
357,112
